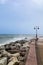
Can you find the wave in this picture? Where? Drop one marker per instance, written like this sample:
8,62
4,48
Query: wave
15,39
11,40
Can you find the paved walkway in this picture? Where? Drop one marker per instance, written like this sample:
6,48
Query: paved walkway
31,58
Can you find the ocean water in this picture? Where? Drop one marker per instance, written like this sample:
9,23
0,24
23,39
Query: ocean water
6,38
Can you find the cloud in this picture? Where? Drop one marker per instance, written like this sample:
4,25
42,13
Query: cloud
26,6
23,2
38,2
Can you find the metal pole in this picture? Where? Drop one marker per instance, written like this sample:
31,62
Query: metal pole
36,33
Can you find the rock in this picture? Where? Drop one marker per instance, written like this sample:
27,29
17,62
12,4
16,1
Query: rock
22,54
20,58
12,43
15,55
21,41
7,48
5,54
16,63
18,44
21,63
3,61
13,51
13,47
13,61
24,41
0,55
2,47
17,41
23,49
26,44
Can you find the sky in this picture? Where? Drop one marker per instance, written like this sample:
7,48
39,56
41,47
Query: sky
21,16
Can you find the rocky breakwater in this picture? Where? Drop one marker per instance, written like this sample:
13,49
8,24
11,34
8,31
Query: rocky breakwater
14,53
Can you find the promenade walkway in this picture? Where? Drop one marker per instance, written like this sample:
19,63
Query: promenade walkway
39,51
31,58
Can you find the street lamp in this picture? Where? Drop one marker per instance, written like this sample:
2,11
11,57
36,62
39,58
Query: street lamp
36,28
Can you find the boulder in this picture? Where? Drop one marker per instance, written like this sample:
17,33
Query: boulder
15,55
23,41
16,63
0,55
3,61
13,51
17,41
20,58
21,63
13,60
2,47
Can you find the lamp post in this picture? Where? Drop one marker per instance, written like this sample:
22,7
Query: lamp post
36,28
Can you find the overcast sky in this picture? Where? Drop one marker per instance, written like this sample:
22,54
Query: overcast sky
20,16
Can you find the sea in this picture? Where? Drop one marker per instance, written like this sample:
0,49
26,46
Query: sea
7,38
